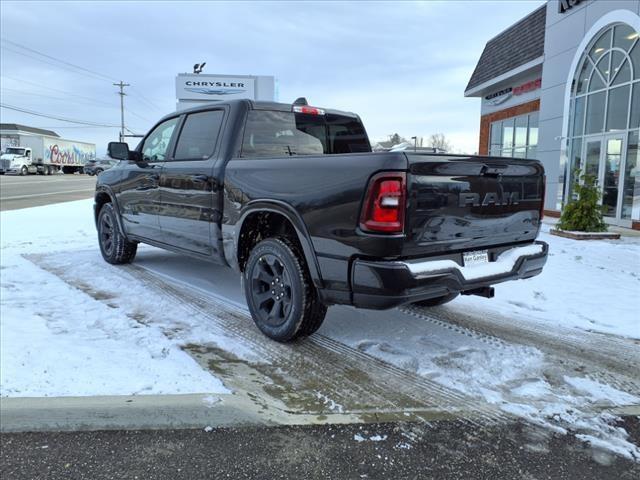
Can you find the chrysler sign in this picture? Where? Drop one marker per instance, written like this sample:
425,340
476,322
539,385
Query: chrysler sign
501,96
213,88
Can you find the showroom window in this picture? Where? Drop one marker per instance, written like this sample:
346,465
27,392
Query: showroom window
605,113
515,137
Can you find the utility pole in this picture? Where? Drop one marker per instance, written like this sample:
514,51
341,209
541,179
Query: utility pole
122,94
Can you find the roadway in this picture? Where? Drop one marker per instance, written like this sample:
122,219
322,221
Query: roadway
37,190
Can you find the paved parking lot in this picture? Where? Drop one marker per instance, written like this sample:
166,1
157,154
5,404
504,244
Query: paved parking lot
438,450
36,190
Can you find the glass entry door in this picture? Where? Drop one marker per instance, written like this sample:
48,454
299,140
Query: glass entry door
610,175
604,159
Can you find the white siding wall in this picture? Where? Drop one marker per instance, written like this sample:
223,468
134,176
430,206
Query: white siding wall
564,33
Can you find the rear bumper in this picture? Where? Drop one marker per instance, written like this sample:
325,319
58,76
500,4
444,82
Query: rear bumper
386,284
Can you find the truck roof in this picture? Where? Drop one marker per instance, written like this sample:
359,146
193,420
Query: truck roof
255,105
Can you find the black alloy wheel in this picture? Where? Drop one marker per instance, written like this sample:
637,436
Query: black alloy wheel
114,246
271,289
106,234
281,297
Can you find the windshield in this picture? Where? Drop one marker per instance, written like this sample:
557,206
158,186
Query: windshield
271,133
15,151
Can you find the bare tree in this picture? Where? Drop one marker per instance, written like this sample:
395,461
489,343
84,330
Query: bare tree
396,139
439,141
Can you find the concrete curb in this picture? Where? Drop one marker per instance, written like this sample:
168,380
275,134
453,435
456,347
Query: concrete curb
126,412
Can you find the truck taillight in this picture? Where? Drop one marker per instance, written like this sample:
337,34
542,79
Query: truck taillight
384,203
308,110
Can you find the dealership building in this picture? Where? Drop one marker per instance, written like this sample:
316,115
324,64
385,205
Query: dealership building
563,85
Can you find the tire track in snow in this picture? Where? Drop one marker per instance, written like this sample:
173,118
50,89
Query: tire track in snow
324,358
358,381
605,358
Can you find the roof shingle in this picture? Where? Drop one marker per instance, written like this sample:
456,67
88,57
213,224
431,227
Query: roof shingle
519,44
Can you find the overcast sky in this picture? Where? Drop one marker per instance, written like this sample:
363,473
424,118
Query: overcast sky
402,66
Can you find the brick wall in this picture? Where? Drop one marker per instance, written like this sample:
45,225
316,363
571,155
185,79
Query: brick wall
486,120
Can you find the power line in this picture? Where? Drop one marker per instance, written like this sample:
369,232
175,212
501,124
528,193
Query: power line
136,115
146,100
46,87
90,99
106,77
91,73
34,94
51,63
62,119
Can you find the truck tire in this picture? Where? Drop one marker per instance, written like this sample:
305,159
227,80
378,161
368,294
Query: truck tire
115,248
282,299
24,170
434,302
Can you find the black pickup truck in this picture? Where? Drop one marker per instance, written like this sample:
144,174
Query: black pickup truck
293,198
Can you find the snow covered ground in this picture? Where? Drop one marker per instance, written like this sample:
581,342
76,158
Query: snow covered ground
58,339
590,285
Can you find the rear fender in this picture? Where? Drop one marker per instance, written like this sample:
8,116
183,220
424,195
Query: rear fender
231,250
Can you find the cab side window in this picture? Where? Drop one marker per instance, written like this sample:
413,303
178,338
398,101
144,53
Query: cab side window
156,146
199,135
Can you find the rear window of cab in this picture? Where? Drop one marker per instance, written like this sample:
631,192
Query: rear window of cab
273,133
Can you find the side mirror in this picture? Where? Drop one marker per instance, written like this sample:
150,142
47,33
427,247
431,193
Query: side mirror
118,150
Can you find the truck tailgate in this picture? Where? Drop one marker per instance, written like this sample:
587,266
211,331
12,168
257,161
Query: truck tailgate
466,203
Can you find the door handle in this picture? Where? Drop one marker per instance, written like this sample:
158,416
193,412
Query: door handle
200,178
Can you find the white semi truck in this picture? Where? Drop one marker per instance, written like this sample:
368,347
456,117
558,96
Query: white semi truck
45,155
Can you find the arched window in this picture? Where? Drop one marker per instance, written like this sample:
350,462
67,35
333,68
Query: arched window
605,107
605,93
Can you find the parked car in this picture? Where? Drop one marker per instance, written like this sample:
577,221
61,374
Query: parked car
96,167
292,197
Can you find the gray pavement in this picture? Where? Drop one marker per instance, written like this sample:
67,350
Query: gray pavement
36,190
441,449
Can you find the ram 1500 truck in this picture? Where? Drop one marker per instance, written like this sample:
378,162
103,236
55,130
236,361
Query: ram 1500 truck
292,197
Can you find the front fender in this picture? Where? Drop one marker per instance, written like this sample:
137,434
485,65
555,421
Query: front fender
105,189
232,234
